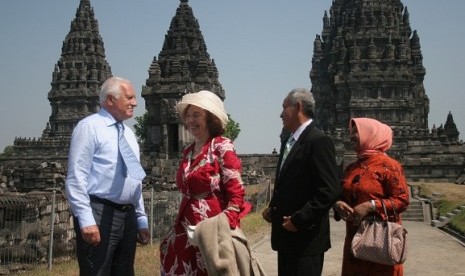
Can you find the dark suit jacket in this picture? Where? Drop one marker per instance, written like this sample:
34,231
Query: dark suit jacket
306,188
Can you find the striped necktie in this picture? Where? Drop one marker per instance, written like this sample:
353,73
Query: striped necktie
133,166
290,142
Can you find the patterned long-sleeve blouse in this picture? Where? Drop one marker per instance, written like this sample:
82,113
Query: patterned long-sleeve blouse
378,177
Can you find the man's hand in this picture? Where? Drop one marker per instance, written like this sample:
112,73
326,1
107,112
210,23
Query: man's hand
266,214
288,225
91,235
143,237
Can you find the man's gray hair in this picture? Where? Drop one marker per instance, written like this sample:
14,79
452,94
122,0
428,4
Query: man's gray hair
304,96
112,86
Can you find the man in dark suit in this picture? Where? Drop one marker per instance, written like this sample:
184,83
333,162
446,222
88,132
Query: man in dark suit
306,187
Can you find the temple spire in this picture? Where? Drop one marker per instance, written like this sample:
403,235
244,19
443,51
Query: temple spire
183,66
451,129
74,94
78,74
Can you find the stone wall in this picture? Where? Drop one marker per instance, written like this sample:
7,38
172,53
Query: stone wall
27,221
423,160
432,161
30,176
257,169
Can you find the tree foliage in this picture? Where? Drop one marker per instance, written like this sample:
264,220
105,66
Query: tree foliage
232,129
139,126
7,151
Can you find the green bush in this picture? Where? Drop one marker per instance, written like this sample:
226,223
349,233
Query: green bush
446,206
458,223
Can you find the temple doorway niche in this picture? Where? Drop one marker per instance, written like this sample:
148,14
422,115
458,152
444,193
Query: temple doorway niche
173,138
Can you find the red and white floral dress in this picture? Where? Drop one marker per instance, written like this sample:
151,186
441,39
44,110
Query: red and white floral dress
210,184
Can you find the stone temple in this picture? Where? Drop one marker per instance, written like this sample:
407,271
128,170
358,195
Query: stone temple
183,66
367,62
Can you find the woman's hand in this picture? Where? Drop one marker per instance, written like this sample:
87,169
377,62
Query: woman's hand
360,211
343,209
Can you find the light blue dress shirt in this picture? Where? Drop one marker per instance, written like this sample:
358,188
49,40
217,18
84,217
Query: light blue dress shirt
96,168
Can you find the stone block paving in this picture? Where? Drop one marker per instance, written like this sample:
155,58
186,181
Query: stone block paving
430,252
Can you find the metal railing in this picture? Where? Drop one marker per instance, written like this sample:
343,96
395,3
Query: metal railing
37,228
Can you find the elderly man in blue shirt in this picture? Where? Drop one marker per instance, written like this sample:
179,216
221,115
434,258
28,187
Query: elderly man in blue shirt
104,185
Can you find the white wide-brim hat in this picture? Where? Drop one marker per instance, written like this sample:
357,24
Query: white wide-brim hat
206,100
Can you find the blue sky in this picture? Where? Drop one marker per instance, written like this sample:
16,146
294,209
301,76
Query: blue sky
262,50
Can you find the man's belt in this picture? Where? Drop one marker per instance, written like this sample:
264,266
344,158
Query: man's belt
116,206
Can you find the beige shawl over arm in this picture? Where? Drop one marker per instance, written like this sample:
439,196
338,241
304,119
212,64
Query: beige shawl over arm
224,252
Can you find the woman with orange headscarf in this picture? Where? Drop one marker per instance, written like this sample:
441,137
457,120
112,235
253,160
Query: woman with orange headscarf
370,180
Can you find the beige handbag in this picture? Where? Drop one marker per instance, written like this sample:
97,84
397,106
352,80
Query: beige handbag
381,242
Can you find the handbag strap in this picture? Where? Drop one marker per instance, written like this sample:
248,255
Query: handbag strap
393,208
404,232
385,209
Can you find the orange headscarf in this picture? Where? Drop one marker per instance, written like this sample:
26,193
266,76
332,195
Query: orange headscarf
375,137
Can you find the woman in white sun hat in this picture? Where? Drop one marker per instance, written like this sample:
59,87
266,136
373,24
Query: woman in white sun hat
209,179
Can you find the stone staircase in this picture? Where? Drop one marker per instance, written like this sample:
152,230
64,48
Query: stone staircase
414,211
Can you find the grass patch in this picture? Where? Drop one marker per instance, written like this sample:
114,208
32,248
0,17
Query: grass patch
446,191
147,260
253,223
446,197
69,268
458,223
444,206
